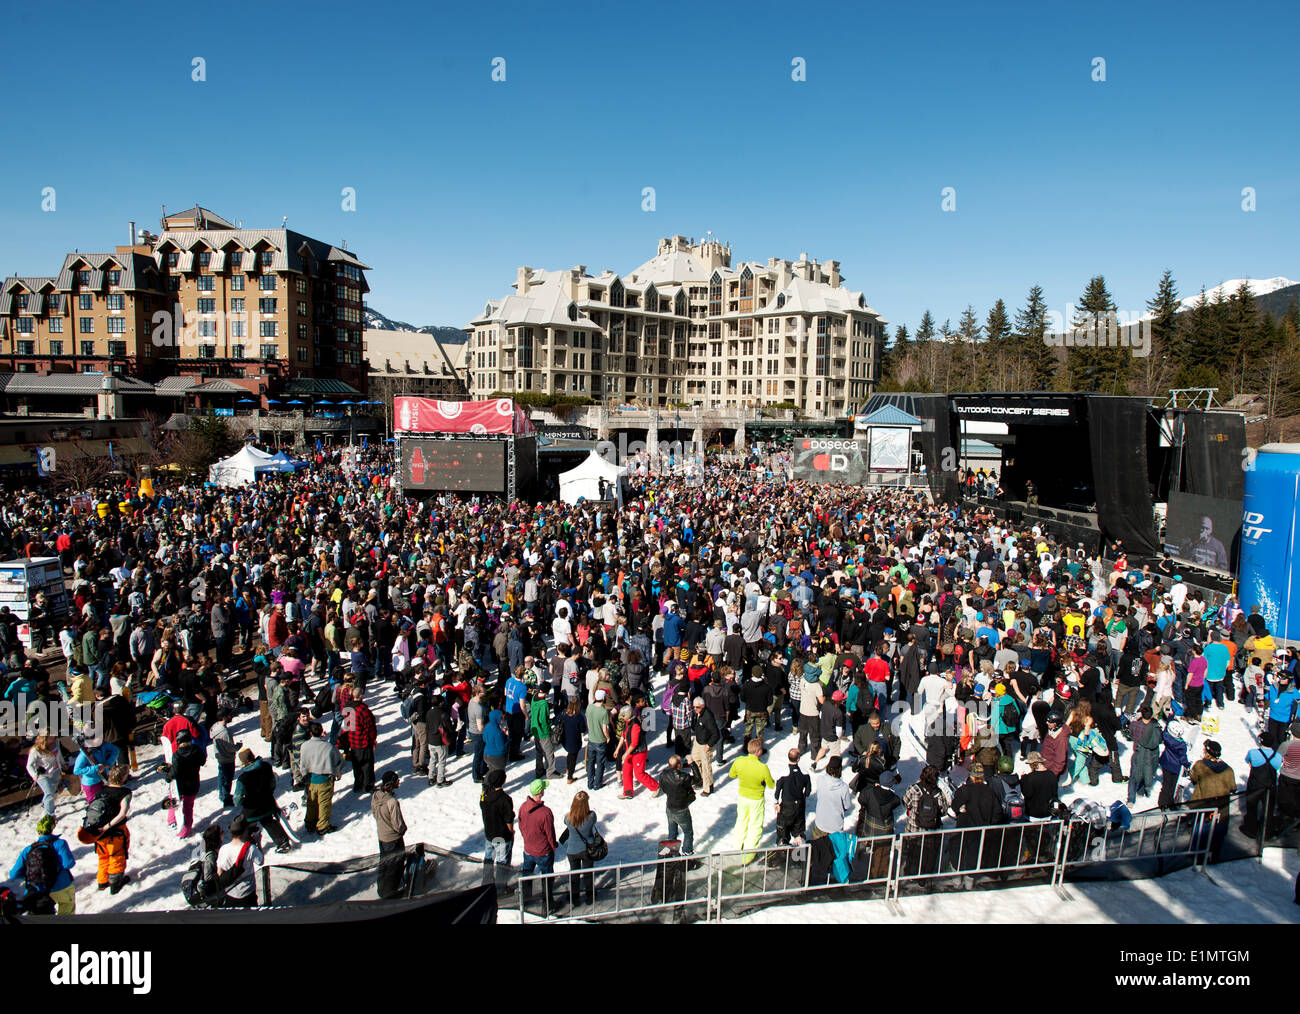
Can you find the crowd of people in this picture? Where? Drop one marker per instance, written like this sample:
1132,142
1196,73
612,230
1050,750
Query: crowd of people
647,645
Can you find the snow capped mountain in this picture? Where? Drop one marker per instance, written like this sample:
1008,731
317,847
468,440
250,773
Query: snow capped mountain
376,321
1259,286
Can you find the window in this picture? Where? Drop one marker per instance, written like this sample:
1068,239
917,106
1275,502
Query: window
205,258
266,306
236,259
746,291
117,325
236,352
207,329
56,348
266,282
27,348
25,325
87,348
268,351
207,283
266,257
174,283
116,301
173,259
117,349
237,305
83,277
236,283
207,305
268,329
302,286
341,334
207,352
86,325
85,301
237,329
302,354
302,332
302,308
55,301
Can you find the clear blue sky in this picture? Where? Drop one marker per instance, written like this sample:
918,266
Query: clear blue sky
459,179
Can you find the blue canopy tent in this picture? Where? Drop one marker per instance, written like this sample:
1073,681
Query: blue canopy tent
284,463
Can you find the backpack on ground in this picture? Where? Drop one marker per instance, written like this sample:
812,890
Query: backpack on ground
41,868
929,811
1013,804
192,884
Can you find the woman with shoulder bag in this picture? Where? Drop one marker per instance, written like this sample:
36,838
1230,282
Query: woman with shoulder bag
584,846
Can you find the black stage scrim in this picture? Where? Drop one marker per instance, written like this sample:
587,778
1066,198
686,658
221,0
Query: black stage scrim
1212,455
1118,430
939,448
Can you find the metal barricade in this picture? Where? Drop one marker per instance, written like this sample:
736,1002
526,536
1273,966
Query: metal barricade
1030,849
673,884
1156,835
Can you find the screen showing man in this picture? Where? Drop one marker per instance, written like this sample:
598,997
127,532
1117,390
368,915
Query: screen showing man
1203,531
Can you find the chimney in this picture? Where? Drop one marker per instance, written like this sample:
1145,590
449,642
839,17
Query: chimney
521,279
131,229
835,273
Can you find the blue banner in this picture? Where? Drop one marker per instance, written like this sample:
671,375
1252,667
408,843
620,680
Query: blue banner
1269,575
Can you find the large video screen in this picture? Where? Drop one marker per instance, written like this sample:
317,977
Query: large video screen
830,461
890,449
1203,531
470,466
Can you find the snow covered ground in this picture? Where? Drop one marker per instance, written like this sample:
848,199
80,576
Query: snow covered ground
449,818
1244,891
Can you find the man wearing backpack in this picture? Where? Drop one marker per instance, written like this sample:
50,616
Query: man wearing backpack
441,734
1265,761
238,862
415,710
46,870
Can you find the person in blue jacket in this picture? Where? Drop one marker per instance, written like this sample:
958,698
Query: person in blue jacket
516,691
91,765
43,898
495,740
673,624
1173,762
1283,700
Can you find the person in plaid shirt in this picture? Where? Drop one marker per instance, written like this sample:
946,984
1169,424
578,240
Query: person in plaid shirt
680,716
359,737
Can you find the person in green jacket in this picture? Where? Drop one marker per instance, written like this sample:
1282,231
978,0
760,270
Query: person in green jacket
755,779
539,723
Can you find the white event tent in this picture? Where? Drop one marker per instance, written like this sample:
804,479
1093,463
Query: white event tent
584,482
242,467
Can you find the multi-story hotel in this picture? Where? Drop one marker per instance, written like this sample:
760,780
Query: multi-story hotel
684,328
205,298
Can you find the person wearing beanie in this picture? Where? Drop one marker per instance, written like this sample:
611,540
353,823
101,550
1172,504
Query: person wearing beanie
537,828
498,830
390,826
183,771
1173,762
45,867
255,794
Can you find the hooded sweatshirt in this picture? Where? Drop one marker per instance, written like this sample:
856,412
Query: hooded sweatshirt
494,738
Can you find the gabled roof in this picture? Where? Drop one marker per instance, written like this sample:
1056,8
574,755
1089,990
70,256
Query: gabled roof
312,385
293,250
803,296
70,383
889,415
220,386
671,266
202,217
11,286
546,304
138,270
174,386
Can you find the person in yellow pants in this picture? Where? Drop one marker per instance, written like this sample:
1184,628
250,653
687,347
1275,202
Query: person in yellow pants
755,779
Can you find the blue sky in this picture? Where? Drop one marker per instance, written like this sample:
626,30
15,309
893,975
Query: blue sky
459,179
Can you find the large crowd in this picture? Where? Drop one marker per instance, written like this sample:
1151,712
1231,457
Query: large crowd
658,646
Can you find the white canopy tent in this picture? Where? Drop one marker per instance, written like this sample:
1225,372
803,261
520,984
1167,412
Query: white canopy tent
586,481
241,468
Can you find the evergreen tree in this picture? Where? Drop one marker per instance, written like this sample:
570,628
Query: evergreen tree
1200,358
998,346
1164,331
1243,330
1035,361
1098,364
967,366
925,330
